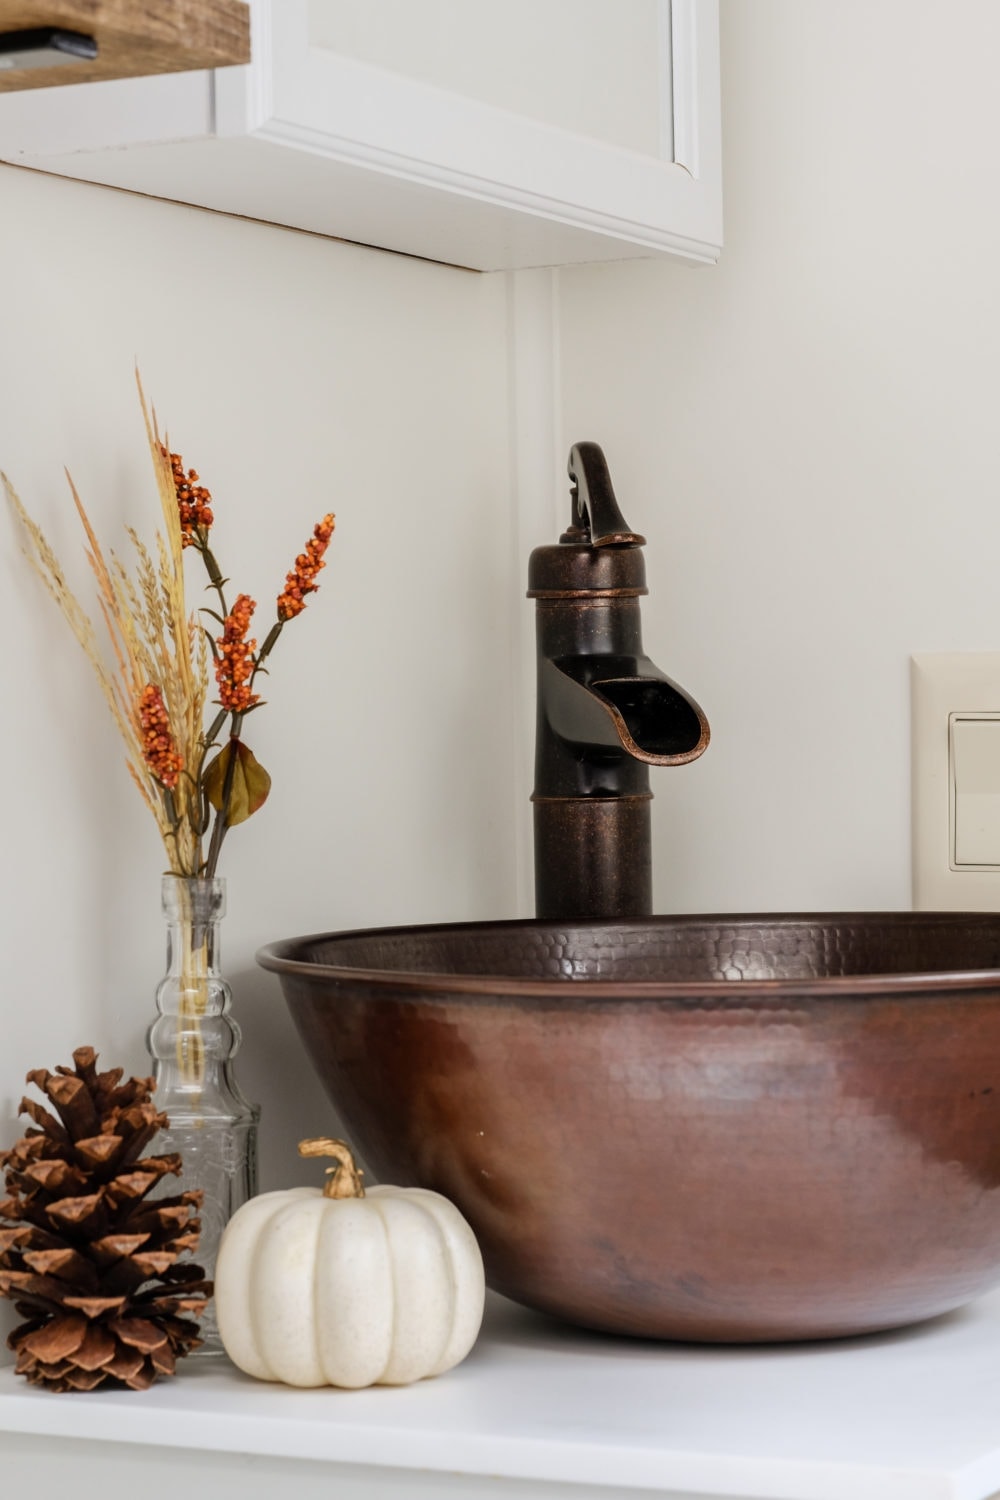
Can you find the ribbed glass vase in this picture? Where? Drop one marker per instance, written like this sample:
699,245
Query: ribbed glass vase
192,1044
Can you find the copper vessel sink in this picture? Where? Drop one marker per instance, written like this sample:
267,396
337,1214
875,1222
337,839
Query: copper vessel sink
705,1128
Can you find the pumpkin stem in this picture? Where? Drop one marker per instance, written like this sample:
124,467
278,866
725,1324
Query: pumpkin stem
343,1180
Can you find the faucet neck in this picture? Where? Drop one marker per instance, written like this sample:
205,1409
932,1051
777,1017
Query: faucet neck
606,713
572,570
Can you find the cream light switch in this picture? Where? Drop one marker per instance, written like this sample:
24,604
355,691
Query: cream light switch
975,785
955,722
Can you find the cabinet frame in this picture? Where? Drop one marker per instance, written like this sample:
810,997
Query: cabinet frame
348,149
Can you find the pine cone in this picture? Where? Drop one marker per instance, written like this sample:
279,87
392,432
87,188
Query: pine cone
90,1262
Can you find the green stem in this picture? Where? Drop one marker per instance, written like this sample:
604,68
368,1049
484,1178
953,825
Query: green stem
214,728
217,582
215,578
170,807
221,823
207,741
270,641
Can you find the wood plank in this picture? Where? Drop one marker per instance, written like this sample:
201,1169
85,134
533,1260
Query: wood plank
135,38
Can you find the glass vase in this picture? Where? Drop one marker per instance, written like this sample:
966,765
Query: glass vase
192,1044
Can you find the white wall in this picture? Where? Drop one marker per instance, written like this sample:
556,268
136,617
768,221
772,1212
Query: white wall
298,375
807,434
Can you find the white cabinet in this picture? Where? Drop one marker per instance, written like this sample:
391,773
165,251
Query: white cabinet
489,135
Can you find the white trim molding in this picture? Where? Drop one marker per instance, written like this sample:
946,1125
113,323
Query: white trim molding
317,140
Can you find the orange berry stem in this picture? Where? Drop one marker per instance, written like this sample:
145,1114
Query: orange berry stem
302,579
221,823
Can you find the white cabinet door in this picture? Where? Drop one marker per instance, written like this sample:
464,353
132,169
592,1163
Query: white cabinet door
489,135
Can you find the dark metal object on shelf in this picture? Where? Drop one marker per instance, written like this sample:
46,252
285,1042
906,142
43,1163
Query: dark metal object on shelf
703,1128
606,713
44,47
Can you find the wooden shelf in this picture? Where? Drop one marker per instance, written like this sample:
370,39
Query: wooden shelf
134,40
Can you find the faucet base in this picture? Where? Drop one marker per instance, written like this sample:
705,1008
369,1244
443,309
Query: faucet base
593,856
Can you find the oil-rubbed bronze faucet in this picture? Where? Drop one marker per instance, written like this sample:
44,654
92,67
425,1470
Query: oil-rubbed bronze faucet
605,712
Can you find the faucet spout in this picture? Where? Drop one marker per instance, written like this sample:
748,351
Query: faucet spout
629,704
606,713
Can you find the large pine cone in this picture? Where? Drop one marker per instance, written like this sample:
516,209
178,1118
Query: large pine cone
90,1262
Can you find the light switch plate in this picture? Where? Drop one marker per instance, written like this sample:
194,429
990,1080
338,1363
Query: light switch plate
955,696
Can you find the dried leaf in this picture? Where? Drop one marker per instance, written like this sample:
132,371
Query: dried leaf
250,782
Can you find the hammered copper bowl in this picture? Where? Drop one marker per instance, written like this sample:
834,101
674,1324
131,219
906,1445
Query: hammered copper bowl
705,1128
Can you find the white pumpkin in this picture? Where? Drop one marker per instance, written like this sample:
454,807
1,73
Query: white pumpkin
339,1287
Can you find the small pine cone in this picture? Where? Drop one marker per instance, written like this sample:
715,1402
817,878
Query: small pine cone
87,1258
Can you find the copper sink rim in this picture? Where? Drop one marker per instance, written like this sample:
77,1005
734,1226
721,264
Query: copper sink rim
280,957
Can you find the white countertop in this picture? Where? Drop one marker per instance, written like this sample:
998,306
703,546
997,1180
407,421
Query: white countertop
912,1415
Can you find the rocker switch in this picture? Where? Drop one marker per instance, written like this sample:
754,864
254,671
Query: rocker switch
974,756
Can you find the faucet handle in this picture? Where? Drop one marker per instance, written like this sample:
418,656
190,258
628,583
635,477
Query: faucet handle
594,502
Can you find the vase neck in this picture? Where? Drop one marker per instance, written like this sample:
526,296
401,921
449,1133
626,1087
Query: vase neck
193,909
192,899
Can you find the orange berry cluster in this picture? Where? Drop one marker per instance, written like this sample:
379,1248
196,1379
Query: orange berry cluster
193,500
234,664
301,580
158,748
